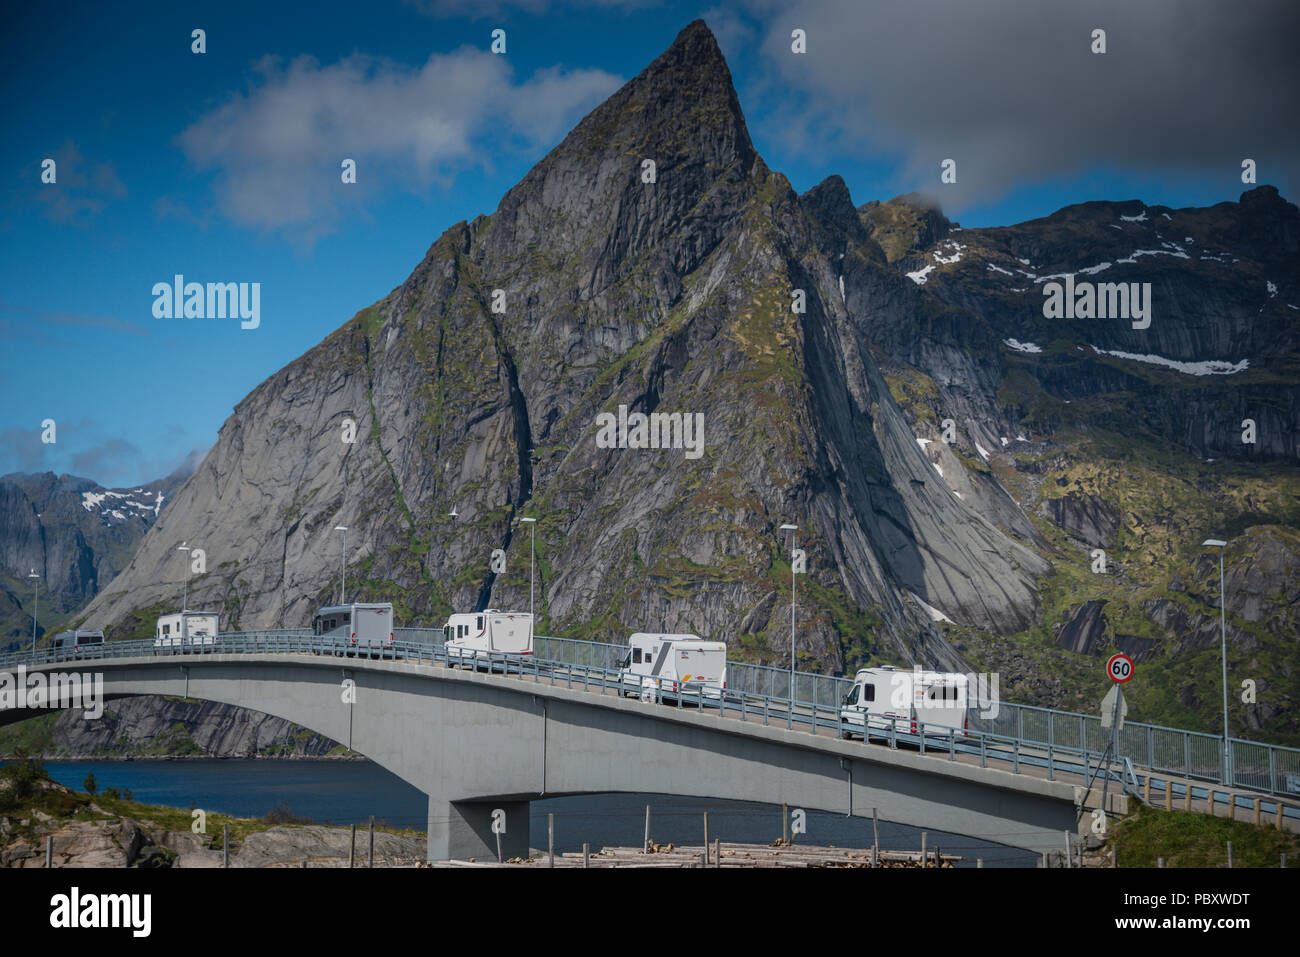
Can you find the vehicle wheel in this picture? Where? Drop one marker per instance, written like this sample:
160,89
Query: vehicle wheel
845,735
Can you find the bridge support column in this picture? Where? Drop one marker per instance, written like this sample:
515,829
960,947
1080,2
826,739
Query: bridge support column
463,829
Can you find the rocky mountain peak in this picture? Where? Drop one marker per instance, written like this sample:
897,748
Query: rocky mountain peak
634,167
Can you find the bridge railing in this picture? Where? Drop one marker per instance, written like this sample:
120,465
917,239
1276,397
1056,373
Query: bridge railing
1196,755
1192,754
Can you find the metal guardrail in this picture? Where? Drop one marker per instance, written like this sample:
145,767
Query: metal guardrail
1273,769
1254,766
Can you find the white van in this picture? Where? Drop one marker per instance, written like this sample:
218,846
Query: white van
937,700
79,643
476,636
185,631
361,626
659,665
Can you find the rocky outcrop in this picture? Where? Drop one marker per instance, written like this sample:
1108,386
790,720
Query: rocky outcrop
1084,631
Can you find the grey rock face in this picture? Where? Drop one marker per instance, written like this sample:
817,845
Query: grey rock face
168,726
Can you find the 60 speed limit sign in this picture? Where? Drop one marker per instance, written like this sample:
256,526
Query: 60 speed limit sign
1120,668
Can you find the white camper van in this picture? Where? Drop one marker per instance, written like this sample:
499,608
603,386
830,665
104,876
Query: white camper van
479,635
185,631
79,643
934,699
671,665
365,627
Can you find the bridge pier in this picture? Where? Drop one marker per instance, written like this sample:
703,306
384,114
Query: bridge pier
463,829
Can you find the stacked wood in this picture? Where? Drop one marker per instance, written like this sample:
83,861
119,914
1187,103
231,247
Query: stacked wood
776,854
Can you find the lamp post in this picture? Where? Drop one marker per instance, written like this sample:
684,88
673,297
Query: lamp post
185,591
532,525
1223,630
36,602
793,529
343,565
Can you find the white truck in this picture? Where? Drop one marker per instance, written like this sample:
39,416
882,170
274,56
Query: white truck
906,699
473,637
363,627
185,631
79,643
660,665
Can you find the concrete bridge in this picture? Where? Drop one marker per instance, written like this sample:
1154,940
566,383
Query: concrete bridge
474,742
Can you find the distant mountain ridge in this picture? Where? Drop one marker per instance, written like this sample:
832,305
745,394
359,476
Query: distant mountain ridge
75,533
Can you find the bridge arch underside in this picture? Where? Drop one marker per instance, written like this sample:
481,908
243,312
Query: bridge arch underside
475,742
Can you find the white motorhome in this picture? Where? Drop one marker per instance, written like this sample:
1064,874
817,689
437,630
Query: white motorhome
79,642
479,635
185,630
360,626
908,700
660,665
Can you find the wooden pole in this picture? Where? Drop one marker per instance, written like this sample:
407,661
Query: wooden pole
1230,855
1068,852
371,862
785,824
586,855
1187,797
923,861
49,851
1257,803
352,848
706,838
979,862
500,857
717,852
1169,795
875,830
645,845
550,837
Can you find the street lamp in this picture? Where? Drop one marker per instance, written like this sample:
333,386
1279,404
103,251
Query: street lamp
532,524
1223,630
343,565
36,603
792,529
185,592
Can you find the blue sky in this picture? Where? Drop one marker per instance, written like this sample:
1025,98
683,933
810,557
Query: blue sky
224,166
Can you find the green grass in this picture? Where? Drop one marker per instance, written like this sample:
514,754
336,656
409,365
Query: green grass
1191,839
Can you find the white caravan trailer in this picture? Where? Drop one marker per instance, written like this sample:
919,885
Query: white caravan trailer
668,665
937,700
185,630
79,642
478,635
361,626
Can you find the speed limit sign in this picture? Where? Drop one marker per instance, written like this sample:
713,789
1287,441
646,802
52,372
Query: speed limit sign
1120,668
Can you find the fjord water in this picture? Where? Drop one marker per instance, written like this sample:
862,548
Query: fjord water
348,792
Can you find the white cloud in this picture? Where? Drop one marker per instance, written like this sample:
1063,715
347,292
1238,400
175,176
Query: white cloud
276,149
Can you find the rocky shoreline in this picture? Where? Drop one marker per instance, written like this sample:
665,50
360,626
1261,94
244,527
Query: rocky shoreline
77,830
